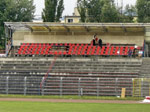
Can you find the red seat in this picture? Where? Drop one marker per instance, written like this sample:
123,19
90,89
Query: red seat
107,50
112,51
83,52
93,50
66,44
89,50
117,51
102,50
70,44
43,50
75,50
98,50
59,52
132,47
70,50
121,50
79,50
64,52
126,50
34,49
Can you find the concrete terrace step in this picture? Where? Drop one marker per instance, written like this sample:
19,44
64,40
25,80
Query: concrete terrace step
61,72
68,62
78,66
78,76
71,70
69,67
82,60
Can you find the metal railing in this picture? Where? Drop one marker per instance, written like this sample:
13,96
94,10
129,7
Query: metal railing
135,87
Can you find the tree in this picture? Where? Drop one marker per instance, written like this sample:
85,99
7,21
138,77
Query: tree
129,13
109,12
82,8
15,11
24,10
94,9
18,10
102,11
143,10
53,10
4,4
60,10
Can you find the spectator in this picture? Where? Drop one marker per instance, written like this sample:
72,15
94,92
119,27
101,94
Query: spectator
140,53
100,42
129,53
94,40
135,51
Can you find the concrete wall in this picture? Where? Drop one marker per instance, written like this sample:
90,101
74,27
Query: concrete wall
76,19
64,37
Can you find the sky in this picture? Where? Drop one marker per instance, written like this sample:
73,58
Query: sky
70,4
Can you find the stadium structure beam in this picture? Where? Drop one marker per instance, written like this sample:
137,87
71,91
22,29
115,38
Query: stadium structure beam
124,28
104,28
144,28
68,30
48,28
86,28
27,26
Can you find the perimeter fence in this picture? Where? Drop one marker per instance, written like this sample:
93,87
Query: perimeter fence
135,87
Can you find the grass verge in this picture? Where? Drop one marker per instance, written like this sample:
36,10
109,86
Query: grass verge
72,97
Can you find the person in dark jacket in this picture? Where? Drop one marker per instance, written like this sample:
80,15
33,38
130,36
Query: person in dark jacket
100,42
94,40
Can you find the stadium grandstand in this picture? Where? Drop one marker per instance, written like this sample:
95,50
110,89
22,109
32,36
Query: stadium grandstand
59,59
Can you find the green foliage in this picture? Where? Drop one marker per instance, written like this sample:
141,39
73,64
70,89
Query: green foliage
109,12
104,11
53,10
94,8
98,10
82,9
143,10
24,11
15,11
60,9
48,13
129,14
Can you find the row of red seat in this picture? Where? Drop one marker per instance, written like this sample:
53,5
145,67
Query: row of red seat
52,44
72,49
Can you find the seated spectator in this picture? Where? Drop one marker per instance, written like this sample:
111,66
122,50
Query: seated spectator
100,42
129,53
94,40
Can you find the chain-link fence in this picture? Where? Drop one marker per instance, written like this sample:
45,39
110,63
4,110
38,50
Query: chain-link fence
74,86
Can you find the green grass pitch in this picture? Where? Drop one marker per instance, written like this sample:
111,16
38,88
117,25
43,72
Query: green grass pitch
14,106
